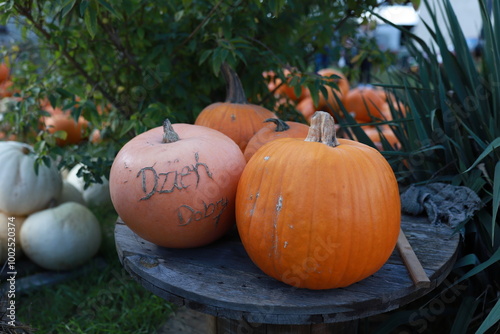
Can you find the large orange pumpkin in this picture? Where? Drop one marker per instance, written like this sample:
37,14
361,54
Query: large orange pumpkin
235,117
277,129
175,185
365,103
321,213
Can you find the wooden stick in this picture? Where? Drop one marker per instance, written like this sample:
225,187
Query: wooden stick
411,261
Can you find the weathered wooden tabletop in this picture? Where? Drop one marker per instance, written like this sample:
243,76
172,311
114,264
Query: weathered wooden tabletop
221,280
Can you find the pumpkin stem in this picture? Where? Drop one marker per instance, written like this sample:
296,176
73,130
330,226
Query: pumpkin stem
169,135
234,88
322,129
280,124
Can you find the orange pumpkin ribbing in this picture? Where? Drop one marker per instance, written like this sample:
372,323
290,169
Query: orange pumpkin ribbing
277,129
235,117
313,216
238,121
177,194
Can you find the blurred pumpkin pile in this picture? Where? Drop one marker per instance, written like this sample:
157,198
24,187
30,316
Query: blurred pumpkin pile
54,226
365,103
44,210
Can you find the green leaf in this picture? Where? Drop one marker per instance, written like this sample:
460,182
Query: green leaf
53,100
61,134
6,5
64,93
496,198
492,318
416,4
477,269
90,18
67,7
129,125
110,9
204,56
178,16
490,148
83,7
467,260
464,315
218,57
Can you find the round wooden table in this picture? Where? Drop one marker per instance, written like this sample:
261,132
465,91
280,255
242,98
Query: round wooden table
221,280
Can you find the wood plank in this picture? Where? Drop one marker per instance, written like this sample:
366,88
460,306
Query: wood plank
221,280
410,259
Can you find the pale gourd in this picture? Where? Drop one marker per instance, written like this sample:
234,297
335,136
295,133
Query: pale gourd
95,193
70,193
22,190
9,234
61,238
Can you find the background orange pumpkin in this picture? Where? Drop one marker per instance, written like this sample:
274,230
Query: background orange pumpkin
365,103
330,104
283,89
306,105
310,213
63,121
235,117
4,72
275,129
375,133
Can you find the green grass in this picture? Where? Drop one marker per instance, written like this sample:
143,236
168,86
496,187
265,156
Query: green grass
102,301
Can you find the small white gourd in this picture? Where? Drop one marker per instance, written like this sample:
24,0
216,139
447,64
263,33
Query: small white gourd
61,238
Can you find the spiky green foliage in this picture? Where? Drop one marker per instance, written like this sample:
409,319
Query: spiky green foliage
452,134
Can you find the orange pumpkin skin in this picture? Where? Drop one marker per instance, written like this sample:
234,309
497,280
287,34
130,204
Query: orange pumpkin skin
179,194
6,89
274,131
75,131
275,84
237,121
236,118
375,133
365,103
331,103
312,216
306,107
4,72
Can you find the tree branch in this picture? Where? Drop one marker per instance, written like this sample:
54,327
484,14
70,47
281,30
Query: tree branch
191,35
25,11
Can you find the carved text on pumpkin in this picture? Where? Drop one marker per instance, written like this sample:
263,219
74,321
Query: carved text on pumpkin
187,214
165,183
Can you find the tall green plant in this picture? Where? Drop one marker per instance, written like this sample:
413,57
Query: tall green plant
452,134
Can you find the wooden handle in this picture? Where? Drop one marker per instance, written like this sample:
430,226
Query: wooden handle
411,261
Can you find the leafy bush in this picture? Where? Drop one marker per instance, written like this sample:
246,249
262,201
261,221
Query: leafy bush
126,66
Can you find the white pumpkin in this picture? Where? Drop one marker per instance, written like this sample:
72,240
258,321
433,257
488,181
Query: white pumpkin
61,238
9,235
70,193
95,193
22,190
